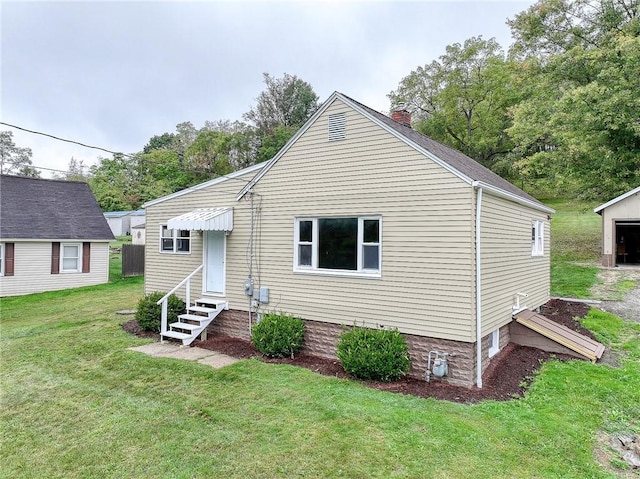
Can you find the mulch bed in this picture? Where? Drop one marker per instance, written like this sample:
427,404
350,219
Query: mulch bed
507,377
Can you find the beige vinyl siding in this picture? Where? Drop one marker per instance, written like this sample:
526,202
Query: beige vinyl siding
507,264
427,251
32,270
165,270
626,209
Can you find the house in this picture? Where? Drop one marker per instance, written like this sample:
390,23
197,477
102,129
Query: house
359,219
621,229
136,218
52,236
119,222
138,234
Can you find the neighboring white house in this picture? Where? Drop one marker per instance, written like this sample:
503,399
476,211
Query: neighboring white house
52,236
121,222
138,234
360,220
621,229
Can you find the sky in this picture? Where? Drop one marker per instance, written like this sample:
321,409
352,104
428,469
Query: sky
114,74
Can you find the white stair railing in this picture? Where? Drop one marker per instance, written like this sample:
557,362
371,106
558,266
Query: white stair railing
163,301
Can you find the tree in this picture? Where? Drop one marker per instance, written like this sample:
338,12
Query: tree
553,27
76,171
287,101
462,99
579,125
13,159
160,142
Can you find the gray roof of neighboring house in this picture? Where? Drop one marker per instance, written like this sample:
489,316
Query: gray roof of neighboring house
33,208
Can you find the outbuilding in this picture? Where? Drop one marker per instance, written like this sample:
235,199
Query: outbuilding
621,229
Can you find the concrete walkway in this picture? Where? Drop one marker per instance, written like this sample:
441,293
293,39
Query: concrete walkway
200,355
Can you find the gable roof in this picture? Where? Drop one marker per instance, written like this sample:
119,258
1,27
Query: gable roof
615,200
459,164
206,184
33,208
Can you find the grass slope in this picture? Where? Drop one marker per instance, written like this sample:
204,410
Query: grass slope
575,247
77,404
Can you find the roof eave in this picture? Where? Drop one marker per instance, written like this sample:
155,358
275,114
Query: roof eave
615,200
511,197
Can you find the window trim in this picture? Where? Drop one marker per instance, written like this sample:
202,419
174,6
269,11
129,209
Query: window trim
494,343
78,268
2,262
174,241
537,238
314,269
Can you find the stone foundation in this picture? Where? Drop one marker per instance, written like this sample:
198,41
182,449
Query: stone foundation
321,340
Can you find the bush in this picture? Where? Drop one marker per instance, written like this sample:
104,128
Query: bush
378,354
149,313
278,335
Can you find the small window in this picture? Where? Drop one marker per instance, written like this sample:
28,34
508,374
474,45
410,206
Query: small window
338,244
337,126
494,342
71,258
537,238
174,241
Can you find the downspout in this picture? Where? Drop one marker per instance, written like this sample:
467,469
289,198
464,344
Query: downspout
478,287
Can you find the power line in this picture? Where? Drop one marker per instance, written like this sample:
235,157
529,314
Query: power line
103,149
65,140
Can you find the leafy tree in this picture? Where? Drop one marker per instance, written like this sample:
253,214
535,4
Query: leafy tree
15,160
462,99
160,142
287,101
208,155
553,27
578,126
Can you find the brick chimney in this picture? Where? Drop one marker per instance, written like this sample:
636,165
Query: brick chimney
401,115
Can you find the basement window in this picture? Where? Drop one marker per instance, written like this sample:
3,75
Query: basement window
350,245
537,238
494,342
174,241
337,126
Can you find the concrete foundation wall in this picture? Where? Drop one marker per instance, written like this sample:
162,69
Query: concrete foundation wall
321,339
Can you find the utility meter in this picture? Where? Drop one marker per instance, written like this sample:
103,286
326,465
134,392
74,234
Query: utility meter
248,287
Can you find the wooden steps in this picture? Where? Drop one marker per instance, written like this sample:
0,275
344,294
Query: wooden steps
572,340
198,316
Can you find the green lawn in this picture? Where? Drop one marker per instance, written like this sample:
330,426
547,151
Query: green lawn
77,404
575,247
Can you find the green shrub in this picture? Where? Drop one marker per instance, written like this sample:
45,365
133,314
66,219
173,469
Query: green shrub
278,335
379,354
149,313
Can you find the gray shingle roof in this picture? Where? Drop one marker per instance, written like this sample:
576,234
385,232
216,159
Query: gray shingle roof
454,158
32,208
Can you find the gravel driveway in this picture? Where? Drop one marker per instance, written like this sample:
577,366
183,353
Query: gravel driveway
629,307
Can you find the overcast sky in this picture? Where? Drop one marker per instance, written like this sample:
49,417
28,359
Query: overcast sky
113,74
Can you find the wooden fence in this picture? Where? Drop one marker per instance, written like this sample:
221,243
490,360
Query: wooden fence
132,260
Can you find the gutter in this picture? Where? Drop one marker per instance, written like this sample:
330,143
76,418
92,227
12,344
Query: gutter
478,187
511,197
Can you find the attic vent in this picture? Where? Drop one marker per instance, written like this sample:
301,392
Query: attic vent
337,126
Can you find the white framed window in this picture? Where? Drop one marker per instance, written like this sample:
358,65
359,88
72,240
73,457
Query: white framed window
71,258
494,342
351,245
1,259
537,238
174,241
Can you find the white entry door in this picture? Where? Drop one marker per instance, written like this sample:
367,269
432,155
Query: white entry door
214,262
